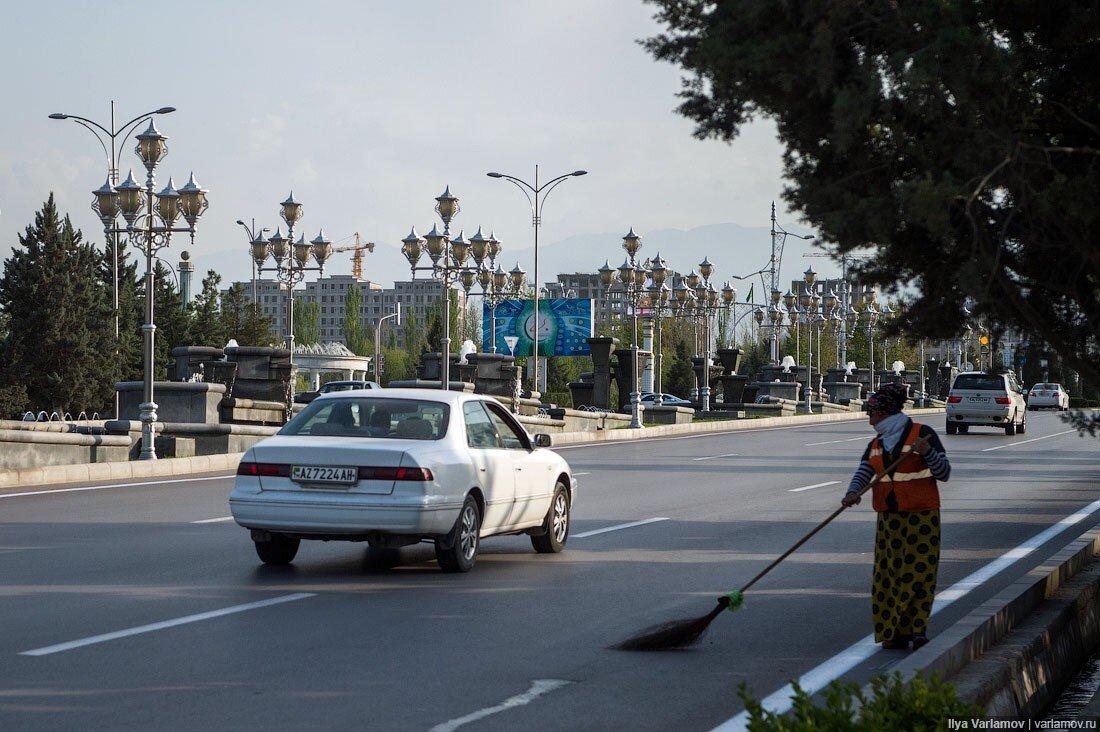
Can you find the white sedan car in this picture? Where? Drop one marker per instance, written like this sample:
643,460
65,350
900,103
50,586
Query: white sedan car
1048,395
394,467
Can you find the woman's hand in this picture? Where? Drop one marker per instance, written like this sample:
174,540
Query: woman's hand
922,446
850,499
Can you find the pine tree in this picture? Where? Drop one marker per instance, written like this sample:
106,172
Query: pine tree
172,319
130,308
681,378
242,320
60,344
208,328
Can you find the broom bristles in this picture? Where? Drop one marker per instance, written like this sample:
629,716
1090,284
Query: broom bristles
671,635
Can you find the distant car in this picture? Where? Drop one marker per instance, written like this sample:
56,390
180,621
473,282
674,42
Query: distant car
328,387
978,398
668,400
1048,395
395,467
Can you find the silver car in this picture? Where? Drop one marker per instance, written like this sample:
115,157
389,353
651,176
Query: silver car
978,398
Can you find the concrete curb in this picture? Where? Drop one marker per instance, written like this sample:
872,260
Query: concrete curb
701,428
91,472
1013,653
209,463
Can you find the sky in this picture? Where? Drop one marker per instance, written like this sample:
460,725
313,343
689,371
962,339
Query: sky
366,110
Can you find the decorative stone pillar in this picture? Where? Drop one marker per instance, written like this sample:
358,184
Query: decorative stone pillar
647,345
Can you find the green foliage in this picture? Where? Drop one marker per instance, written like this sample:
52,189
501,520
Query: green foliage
355,336
243,319
58,352
560,371
307,323
435,325
207,325
922,704
959,137
397,364
172,319
681,377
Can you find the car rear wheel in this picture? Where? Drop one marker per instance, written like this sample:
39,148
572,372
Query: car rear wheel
1022,427
952,428
1010,428
277,549
555,527
457,551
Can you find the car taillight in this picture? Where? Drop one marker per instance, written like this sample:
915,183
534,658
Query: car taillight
264,470
368,473
1003,400
954,399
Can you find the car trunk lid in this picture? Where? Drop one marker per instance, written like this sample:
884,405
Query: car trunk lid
329,452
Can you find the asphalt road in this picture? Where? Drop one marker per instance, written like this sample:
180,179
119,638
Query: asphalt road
522,641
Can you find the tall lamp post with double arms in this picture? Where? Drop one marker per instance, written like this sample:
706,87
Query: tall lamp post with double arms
150,222
112,141
290,263
536,196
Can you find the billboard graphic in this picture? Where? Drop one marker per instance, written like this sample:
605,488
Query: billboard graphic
565,325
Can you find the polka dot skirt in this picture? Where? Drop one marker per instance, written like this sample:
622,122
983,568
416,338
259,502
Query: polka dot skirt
907,557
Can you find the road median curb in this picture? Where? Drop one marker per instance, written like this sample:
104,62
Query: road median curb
1014,653
91,472
715,427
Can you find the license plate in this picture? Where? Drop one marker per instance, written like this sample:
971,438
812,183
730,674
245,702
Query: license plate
978,398
322,474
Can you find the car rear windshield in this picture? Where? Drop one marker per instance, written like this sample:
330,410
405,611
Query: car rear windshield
979,382
395,419
1046,386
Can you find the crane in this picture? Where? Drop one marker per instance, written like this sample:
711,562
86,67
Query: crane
357,256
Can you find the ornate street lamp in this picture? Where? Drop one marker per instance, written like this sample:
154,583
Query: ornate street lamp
290,262
484,250
151,219
449,258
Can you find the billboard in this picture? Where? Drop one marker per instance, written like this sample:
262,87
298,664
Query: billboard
565,325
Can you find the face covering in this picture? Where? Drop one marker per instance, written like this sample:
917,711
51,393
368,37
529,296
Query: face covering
891,430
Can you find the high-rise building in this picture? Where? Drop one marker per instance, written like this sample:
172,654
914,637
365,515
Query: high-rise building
417,297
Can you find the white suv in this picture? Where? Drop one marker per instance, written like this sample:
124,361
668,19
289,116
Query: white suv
1048,395
991,400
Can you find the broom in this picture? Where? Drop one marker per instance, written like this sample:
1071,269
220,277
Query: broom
683,633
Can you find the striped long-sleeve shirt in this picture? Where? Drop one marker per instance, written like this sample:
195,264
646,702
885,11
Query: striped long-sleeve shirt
936,458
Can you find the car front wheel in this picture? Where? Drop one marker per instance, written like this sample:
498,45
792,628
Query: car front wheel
555,527
457,551
277,549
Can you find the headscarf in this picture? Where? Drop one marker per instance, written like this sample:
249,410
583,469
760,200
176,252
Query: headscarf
888,400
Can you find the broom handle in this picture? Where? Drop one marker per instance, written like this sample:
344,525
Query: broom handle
833,515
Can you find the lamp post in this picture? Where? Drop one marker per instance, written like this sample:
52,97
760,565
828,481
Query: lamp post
540,191
706,304
491,278
254,234
109,140
870,317
150,222
633,278
659,297
290,263
449,257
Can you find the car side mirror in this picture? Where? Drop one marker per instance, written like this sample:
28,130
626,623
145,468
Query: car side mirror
542,440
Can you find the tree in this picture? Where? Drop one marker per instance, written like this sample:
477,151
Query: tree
307,324
208,326
681,377
354,334
959,140
58,352
242,319
171,317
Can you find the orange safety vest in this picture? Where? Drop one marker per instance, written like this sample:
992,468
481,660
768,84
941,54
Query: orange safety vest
912,483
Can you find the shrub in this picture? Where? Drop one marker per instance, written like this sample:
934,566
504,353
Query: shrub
921,704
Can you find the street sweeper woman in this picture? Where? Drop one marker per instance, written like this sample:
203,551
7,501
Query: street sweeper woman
907,536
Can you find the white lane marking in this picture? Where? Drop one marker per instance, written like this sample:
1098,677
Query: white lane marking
815,485
715,457
617,527
113,485
831,442
214,520
820,677
538,688
1024,442
58,648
